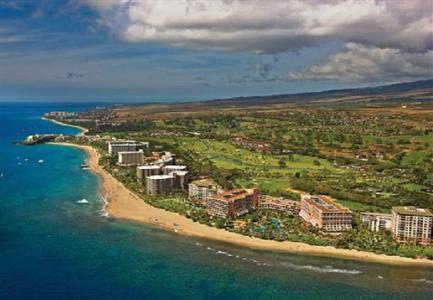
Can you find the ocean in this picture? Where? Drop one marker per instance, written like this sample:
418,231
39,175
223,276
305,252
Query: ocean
53,248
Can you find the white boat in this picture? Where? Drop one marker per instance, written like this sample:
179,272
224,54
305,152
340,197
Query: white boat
40,161
82,201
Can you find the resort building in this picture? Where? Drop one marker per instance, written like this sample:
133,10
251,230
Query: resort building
324,213
167,169
376,221
199,191
412,225
130,158
180,180
160,184
146,171
280,204
232,203
114,147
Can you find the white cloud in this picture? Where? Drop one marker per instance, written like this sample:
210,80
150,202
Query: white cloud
270,26
367,63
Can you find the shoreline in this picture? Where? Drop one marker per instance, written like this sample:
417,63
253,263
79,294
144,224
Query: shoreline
124,204
82,132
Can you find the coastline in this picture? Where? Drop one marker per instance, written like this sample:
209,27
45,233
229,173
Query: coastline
124,204
82,132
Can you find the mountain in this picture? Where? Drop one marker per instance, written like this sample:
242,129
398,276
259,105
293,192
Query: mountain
355,94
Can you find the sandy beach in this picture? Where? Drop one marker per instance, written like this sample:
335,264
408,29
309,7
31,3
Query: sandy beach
124,204
82,132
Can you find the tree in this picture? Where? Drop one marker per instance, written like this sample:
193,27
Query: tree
281,163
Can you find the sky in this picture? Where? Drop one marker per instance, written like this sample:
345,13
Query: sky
187,50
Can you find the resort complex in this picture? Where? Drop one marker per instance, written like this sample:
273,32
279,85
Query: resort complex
279,204
200,190
114,147
376,221
412,225
325,213
130,158
233,203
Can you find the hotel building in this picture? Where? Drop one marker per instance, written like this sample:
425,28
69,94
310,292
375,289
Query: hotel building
167,169
412,225
130,158
180,180
324,213
232,203
376,221
159,184
199,191
114,147
146,171
280,204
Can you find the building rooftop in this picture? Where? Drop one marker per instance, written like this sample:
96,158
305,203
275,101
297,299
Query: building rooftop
179,173
177,167
205,182
148,167
375,214
276,201
160,177
412,211
326,204
120,142
130,152
233,195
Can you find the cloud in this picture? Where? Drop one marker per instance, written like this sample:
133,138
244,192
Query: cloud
9,37
367,63
271,26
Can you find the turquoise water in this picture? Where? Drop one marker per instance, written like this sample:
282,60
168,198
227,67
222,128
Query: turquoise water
53,248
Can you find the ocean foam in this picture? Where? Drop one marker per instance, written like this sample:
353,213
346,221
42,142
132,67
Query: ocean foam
325,269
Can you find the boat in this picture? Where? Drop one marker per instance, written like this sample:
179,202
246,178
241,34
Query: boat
40,161
84,166
82,201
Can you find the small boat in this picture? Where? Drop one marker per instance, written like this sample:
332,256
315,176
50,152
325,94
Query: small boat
84,166
41,161
82,201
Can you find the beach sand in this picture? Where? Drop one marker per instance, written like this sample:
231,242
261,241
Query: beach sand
82,132
124,204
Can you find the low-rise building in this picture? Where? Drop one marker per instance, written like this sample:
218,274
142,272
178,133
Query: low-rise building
160,184
233,203
114,147
130,158
324,213
376,221
146,171
280,204
199,191
412,225
167,158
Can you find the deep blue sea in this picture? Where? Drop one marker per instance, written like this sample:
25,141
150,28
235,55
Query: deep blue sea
53,248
